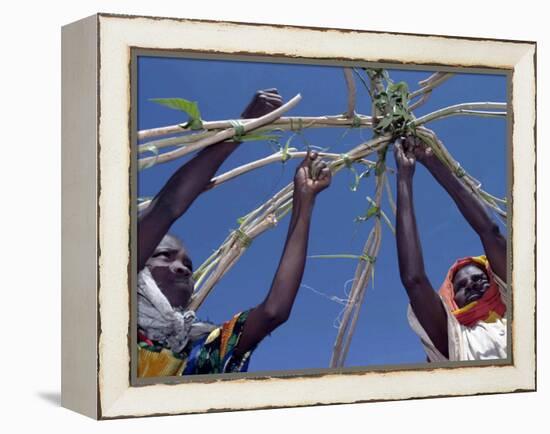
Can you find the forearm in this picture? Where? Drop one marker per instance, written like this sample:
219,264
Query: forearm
191,179
176,196
468,204
425,303
276,307
288,276
409,250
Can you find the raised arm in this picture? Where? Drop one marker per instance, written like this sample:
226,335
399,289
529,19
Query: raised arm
190,180
425,303
473,210
276,307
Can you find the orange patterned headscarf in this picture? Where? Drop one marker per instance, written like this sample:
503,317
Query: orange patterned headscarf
488,308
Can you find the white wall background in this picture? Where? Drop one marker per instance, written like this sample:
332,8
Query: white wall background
30,215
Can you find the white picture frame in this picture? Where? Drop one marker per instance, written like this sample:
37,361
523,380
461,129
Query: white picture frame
96,277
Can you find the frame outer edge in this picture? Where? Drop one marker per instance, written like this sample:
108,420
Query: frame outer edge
119,400
79,217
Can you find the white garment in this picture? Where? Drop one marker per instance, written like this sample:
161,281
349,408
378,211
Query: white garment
160,321
484,341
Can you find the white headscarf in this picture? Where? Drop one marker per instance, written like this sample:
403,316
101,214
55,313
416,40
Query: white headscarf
161,322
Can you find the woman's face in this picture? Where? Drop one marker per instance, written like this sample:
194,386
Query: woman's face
470,283
172,269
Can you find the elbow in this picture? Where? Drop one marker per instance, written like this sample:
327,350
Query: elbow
274,316
492,229
168,207
412,281
491,232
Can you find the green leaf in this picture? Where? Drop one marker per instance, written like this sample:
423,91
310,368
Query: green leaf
148,148
151,163
358,178
195,124
383,124
258,137
353,187
372,211
398,88
368,258
286,148
189,107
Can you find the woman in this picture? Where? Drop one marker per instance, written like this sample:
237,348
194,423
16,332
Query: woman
466,321
171,341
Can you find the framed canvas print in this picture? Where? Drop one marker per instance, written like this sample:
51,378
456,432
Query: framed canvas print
261,216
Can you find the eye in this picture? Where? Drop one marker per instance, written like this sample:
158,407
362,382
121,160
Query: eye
161,255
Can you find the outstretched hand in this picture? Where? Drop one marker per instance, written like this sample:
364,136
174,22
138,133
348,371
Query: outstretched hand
421,150
262,103
405,158
312,176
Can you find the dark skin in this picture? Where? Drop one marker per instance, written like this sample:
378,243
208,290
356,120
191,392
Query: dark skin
190,180
169,261
470,282
172,269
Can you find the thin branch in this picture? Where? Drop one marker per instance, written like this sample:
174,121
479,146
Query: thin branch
284,123
427,86
221,136
444,155
430,83
352,92
365,266
265,217
268,214
274,158
363,274
472,107
390,196
367,273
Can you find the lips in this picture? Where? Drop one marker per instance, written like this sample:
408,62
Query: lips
473,296
183,284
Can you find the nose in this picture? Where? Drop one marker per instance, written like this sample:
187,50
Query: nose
476,284
180,269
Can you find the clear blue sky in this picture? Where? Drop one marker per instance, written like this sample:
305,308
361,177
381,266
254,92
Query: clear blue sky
382,337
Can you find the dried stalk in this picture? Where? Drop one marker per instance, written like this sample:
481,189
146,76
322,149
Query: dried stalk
352,92
220,136
346,328
366,275
473,184
363,273
268,214
390,197
274,158
232,253
427,86
263,218
210,128
245,168
472,108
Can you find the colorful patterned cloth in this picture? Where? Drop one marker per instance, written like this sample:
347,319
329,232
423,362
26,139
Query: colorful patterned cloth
211,354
